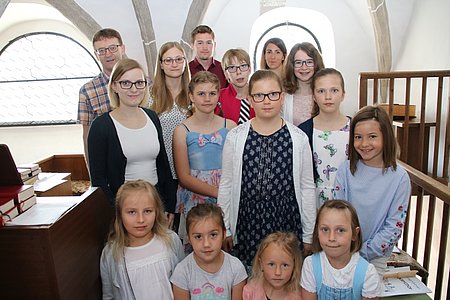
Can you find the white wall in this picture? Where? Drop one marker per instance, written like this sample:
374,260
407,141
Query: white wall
355,49
30,144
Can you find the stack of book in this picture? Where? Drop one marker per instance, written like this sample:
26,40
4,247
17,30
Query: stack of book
8,210
16,197
29,172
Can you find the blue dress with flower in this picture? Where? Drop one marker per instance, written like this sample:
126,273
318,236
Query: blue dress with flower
205,162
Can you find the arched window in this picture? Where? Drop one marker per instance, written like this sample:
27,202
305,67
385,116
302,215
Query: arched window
293,25
41,75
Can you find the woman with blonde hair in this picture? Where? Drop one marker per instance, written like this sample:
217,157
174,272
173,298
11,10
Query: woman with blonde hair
127,143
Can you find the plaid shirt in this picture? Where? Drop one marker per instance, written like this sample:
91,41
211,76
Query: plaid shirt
94,99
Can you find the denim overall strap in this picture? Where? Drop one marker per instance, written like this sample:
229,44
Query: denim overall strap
317,268
359,277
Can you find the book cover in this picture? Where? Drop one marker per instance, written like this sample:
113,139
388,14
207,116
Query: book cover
6,203
31,166
24,173
8,174
8,216
18,192
26,204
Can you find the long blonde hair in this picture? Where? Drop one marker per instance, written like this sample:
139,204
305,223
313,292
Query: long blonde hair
160,93
289,242
118,238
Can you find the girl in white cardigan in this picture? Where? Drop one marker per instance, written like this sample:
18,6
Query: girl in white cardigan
267,180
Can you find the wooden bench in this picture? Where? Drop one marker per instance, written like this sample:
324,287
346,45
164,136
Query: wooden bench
69,163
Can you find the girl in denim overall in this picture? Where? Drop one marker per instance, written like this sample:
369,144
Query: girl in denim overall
336,270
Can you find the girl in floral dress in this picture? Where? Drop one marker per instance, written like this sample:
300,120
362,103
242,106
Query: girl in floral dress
327,131
267,180
197,147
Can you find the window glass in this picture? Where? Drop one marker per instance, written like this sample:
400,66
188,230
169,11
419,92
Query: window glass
40,79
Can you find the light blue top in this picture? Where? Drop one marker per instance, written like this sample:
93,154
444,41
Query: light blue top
205,150
381,201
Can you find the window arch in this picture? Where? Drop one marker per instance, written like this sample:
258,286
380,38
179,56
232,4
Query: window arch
42,73
293,25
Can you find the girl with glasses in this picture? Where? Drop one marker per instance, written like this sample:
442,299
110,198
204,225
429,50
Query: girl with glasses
303,61
233,102
169,94
267,179
127,143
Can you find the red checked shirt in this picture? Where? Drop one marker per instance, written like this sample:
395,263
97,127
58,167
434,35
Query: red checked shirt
93,99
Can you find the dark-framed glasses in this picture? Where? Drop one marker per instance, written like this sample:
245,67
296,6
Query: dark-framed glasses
298,63
110,48
259,97
242,68
126,84
169,60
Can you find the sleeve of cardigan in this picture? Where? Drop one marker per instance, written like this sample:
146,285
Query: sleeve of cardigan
225,186
308,193
97,151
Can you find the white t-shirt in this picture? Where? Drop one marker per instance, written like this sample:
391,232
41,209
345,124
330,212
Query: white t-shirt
141,148
150,266
340,278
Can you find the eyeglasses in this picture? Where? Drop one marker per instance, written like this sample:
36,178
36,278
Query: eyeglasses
299,63
242,68
126,84
259,97
169,60
110,48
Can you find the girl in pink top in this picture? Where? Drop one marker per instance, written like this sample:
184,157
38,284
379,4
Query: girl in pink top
276,269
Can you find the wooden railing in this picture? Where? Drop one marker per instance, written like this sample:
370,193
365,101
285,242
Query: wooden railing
424,138
432,199
426,133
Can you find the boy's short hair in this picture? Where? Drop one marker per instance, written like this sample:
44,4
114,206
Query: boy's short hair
201,29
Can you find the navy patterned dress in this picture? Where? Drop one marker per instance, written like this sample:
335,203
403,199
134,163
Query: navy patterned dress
267,202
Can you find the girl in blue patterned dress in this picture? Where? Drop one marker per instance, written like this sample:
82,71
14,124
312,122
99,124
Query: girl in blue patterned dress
327,131
267,180
197,147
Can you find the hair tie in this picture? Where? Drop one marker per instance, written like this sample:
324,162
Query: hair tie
376,113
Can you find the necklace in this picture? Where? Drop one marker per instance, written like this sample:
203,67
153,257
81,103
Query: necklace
265,166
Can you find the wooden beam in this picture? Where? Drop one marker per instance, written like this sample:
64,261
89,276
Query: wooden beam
194,17
144,19
3,5
77,15
380,22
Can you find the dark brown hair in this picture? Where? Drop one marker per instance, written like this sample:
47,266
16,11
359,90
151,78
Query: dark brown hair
290,81
203,211
106,33
201,29
339,205
277,42
390,147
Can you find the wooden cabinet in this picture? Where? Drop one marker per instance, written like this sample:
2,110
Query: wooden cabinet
57,261
416,151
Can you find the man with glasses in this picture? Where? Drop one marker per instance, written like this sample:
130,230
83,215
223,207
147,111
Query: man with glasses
203,43
93,96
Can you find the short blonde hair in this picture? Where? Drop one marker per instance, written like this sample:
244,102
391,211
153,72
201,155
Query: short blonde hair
122,66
